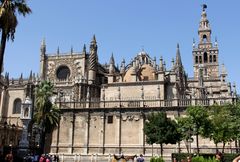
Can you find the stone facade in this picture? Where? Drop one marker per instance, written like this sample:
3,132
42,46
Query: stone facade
104,107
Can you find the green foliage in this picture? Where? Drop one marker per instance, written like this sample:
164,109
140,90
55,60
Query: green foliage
199,119
47,114
160,129
8,21
224,123
195,123
202,159
156,159
183,156
8,18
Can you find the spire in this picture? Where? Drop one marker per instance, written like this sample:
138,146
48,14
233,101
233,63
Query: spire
204,30
20,79
112,60
58,51
43,47
30,76
94,40
111,65
93,54
93,60
122,68
204,23
84,49
161,67
173,65
71,50
164,65
178,57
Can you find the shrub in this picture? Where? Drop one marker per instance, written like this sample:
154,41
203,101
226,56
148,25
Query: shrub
202,159
156,159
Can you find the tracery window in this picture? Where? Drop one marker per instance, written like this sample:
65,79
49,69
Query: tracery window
63,72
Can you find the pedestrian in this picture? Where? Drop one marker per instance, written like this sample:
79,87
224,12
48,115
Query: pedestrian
42,158
189,159
219,156
140,159
9,157
1,156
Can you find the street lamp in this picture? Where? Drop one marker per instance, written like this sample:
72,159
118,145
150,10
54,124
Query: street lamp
26,117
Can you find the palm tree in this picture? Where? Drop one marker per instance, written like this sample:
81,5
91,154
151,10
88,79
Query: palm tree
47,114
8,21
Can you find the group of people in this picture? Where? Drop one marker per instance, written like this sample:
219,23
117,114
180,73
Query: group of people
48,158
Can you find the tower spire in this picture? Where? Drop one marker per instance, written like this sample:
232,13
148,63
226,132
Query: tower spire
204,30
111,65
112,60
84,48
93,60
43,47
178,57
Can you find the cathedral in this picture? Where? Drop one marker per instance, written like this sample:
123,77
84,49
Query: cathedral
104,107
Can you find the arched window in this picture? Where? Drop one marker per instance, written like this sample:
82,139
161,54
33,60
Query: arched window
17,106
205,57
204,38
210,58
200,59
214,58
63,72
196,59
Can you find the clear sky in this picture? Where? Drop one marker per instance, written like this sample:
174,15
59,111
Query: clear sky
124,27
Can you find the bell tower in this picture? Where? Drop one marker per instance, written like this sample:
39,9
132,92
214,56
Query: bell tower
205,54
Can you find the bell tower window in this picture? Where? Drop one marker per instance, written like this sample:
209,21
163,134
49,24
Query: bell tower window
205,57
214,58
196,59
200,59
204,38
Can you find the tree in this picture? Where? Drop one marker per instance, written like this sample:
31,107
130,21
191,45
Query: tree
235,113
198,121
8,21
224,124
186,128
47,114
161,130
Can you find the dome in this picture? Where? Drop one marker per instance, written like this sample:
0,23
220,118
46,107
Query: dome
146,73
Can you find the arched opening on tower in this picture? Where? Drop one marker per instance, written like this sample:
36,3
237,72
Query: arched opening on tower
205,57
214,58
200,59
196,59
204,38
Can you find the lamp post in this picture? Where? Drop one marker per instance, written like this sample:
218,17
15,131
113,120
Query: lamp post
26,111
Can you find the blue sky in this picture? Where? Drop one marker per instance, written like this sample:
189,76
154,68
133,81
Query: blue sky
123,27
